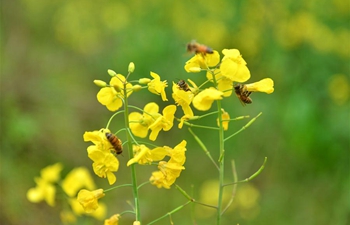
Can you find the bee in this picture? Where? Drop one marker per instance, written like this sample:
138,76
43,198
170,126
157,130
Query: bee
243,94
115,142
197,48
183,85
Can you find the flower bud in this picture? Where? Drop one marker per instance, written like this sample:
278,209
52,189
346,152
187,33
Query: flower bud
100,83
111,73
144,80
131,67
136,87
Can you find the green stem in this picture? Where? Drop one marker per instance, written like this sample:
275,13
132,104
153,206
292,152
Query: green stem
251,177
203,147
244,127
130,150
221,163
200,126
119,186
235,178
170,213
221,158
184,193
110,119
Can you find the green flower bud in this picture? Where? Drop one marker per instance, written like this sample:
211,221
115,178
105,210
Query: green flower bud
111,73
131,67
100,83
144,80
136,87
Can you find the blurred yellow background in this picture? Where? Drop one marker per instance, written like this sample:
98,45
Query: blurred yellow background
51,51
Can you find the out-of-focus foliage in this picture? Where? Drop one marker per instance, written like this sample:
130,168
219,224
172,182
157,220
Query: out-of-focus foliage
51,51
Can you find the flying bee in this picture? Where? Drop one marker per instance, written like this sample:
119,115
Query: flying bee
243,94
183,85
197,48
115,142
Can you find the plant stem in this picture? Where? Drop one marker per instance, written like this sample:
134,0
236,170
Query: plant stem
221,158
133,169
221,163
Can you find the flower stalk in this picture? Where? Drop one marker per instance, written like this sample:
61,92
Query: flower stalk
130,151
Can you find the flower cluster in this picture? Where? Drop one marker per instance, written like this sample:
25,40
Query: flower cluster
168,170
104,161
232,68
74,181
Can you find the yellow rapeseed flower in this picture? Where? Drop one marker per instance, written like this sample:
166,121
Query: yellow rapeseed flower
202,61
105,163
169,171
233,66
205,98
163,122
143,155
183,98
139,123
45,188
225,117
113,220
77,179
156,86
89,199
112,96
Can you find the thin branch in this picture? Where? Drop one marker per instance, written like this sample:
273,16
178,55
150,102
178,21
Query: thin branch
252,176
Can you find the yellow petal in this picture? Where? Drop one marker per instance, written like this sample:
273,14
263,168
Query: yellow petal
264,85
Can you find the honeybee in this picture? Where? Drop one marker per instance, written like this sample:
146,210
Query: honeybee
115,142
197,48
243,94
183,85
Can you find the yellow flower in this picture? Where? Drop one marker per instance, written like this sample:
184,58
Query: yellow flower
204,99
76,180
183,98
156,86
144,155
112,96
45,190
51,173
163,122
136,223
166,176
159,180
105,163
233,66
113,220
224,116
264,85
177,155
202,61
88,199
99,213
139,123
224,84
99,139
169,171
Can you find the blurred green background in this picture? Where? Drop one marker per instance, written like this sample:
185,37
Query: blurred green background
51,51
